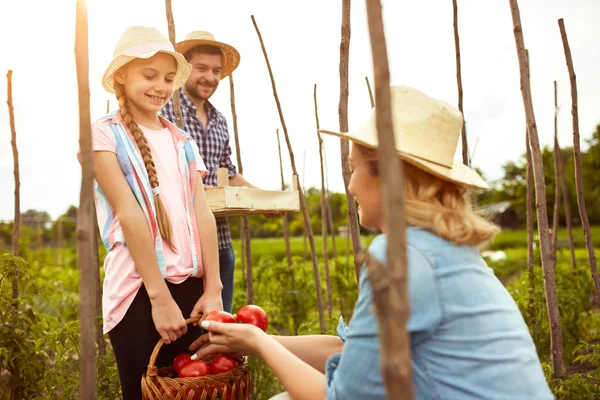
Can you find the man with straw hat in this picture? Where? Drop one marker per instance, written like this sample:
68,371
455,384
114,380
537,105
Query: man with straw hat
211,62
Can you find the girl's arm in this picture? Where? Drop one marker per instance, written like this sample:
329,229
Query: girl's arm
312,349
167,316
207,230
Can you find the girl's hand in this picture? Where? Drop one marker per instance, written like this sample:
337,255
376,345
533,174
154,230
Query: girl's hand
207,351
240,339
168,319
209,301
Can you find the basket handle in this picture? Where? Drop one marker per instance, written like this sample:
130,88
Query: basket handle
152,370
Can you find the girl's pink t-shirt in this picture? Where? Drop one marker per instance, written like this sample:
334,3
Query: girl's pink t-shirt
122,279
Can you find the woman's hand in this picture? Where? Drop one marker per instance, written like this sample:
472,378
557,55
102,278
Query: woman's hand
209,301
239,339
207,351
167,317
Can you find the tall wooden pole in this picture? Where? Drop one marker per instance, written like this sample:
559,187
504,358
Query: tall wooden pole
85,214
565,199
585,222
323,211
548,256
557,155
331,227
465,144
307,224
171,26
390,289
344,144
286,229
15,151
246,239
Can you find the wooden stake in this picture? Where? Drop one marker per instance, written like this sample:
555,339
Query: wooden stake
286,229
556,174
565,199
331,227
465,144
585,222
370,92
323,212
307,224
344,144
15,151
548,256
246,238
176,103
85,216
529,214
390,291
107,106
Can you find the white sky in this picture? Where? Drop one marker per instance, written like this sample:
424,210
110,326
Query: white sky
302,39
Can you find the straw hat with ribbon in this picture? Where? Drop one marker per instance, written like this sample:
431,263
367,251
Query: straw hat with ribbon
426,133
143,42
231,57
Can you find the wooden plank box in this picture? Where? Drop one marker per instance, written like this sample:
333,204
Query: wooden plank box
234,201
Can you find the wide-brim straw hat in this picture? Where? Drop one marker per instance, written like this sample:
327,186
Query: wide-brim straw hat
231,57
144,42
426,133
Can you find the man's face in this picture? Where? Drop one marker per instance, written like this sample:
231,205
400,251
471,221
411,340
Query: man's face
205,76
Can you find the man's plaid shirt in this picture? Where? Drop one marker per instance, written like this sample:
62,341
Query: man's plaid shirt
213,144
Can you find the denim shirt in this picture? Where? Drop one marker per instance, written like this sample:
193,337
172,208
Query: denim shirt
468,337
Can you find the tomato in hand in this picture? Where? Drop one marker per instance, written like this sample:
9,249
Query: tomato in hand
220,316
253,314
195,368
180,361
222,364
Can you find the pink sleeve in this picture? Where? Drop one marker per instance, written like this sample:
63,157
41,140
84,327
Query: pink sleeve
102,138
200,166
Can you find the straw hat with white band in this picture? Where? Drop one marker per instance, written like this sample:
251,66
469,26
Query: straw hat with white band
231,57
426,134
143,42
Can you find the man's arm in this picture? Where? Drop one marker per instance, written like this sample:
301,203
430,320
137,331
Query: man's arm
239,180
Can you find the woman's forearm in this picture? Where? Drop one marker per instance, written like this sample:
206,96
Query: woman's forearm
312,349
299,379
207,230
140,244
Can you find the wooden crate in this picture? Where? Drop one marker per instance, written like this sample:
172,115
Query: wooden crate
234,201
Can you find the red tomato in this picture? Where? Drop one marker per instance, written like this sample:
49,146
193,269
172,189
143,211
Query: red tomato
220,316
194,369
252,314
222,364
180,361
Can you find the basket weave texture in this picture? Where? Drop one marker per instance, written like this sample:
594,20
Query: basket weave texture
162,383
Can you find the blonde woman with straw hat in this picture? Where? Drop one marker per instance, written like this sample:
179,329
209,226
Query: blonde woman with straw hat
162,264
468,338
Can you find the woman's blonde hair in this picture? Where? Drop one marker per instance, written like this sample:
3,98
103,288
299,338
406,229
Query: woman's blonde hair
437,205
164,225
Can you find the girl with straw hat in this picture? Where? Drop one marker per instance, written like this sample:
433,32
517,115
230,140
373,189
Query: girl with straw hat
162,264
468,338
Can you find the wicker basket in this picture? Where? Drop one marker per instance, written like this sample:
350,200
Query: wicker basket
160,383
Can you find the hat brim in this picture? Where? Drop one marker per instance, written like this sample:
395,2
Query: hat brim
231,57
184,68
458,173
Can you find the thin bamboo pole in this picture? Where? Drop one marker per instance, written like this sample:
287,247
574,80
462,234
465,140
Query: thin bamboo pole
548,256
585,222
331,227
344,144
389,283
85,215
370,92
286,229
323,212
307,224
465,144
15,151
246,239
529,214
557,155
171,26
